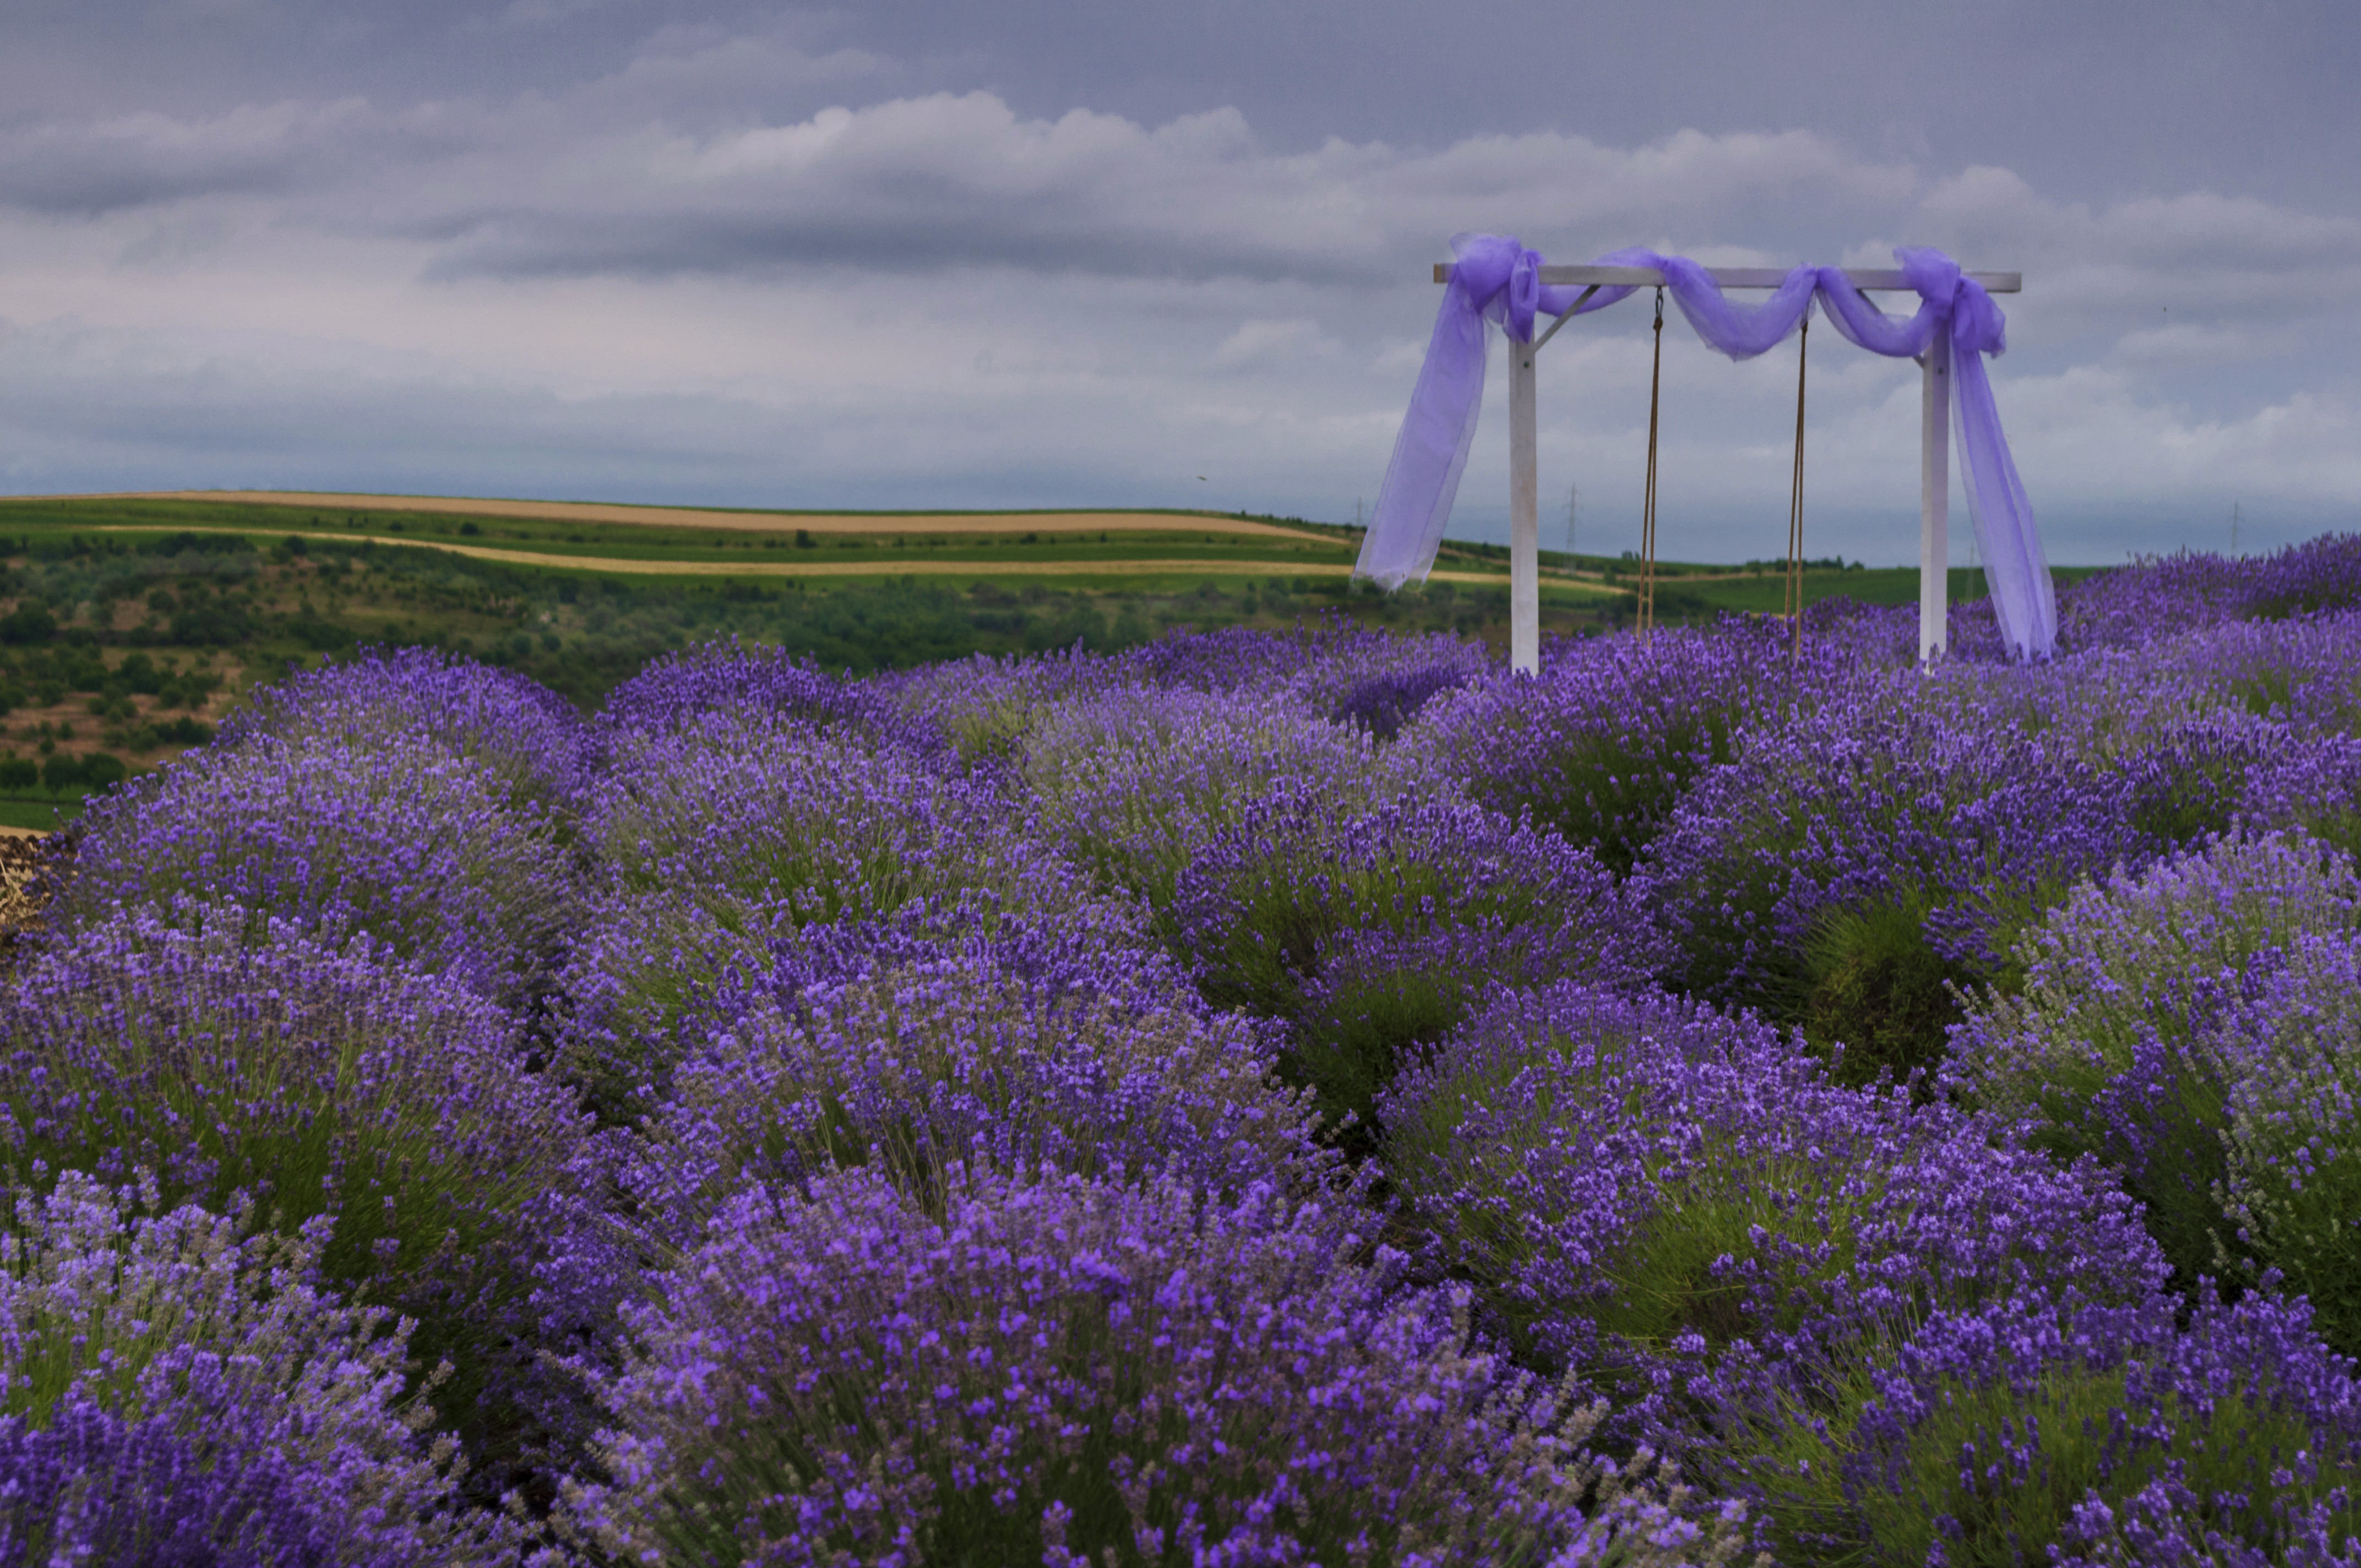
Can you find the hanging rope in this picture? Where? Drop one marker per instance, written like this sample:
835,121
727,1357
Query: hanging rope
1795,599
1647,504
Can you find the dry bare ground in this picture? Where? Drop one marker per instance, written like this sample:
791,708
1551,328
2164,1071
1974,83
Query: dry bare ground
22,897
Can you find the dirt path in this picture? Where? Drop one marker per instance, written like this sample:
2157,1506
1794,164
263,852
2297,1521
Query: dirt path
889,567
746,521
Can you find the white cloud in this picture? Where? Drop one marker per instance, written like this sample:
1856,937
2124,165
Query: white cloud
1271,342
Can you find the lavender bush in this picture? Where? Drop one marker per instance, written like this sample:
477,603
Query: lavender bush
1851,867
395,837
753,683
1358,930
1682,1204
2313,786
986,706
176,1388
1054,1368
2109,1047
657,973
967,1060
1604,741
329,1088
1379,684
2291,1175
628,1003
526,736
1131,784
818,824
2044,1425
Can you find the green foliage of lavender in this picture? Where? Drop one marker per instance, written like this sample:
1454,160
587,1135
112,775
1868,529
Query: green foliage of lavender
2113,1045
2048,1426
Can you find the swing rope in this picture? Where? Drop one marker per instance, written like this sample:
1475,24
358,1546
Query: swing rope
1795,596
1792,597
1647,504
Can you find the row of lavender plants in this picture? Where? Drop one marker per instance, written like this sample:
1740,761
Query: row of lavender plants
1307,1099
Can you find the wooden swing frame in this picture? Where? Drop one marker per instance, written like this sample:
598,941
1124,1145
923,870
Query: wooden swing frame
1934,448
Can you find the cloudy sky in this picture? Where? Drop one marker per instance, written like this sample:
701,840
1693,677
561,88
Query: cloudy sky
999,253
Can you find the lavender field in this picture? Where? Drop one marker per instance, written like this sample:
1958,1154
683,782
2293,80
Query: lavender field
1255,1099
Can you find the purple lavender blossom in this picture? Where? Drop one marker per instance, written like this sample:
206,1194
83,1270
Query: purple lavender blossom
2314,784
527,736
820,824
1133,783
1884,798
1377,683
2291,1175
987,704
395,838
1683,1206
2047,1424
1261,904
1602,744
964,1060
335,1086
656,973
176,1389
754,684
1044,1368
2108,1045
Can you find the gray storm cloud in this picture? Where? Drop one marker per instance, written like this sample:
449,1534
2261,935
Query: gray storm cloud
787,260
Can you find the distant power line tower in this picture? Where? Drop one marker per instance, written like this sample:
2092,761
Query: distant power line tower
1573,513
2236,518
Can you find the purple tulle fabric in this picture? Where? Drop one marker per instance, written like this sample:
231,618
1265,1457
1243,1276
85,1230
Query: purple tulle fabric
1498,282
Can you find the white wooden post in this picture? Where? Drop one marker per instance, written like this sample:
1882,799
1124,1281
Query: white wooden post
1524,517
1934,499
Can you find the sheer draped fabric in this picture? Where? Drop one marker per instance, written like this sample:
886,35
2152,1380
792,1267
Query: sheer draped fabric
1497,284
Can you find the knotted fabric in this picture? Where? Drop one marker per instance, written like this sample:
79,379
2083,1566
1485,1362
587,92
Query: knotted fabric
1497,283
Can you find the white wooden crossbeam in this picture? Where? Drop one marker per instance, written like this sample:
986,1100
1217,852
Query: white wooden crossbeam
1933,447
1862,277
